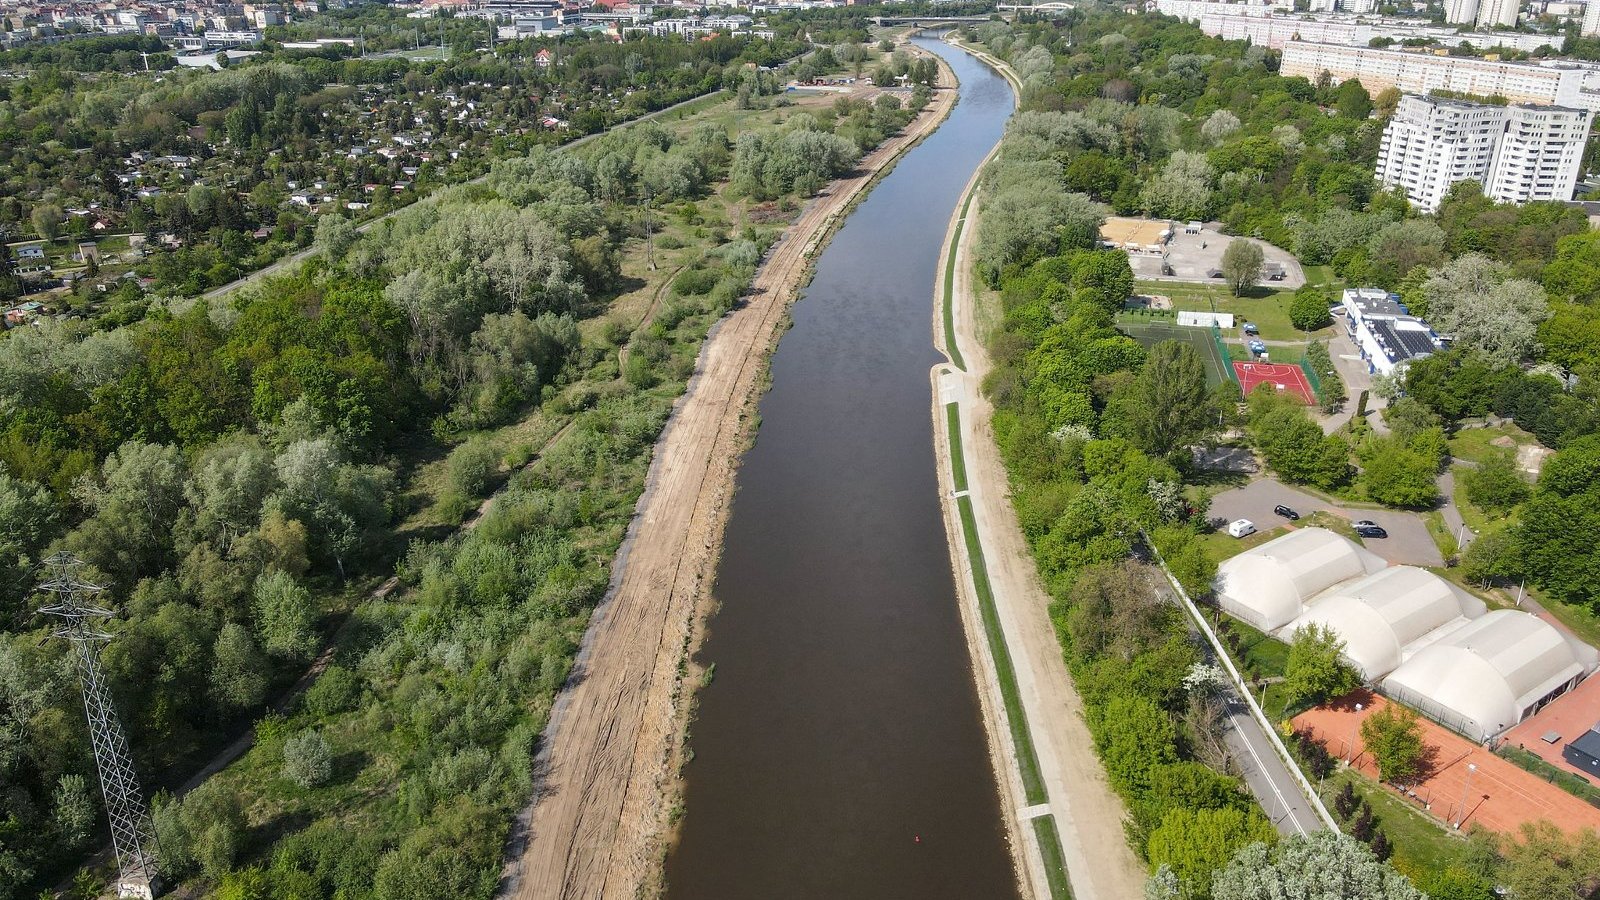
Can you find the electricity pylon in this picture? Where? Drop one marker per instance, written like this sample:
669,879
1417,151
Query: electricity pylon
132,834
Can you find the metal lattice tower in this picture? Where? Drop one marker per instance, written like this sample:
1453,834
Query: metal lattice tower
132,833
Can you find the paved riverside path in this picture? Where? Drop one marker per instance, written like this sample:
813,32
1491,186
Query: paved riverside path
1087,813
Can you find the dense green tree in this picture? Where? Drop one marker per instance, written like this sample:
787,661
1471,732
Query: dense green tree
307,761
1134,736
1565,506
1496,484
1316,670
1167,406
1308,309
1242,265
1323,864
238,679
1190,842
284,618
1393,736
1398,472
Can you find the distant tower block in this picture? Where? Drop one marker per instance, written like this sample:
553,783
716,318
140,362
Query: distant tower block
131,831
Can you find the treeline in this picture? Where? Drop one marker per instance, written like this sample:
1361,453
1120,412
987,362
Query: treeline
100,53
223,467
1095,431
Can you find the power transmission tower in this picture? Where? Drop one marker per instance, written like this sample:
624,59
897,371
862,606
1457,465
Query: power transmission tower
132,834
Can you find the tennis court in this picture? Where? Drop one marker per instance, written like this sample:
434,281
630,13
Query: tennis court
1149,334
1284,377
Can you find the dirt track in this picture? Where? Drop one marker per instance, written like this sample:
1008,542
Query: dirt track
1088,814
608,766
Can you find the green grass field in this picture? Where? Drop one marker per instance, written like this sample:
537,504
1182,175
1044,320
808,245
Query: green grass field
1149,333
1476,444
1055,863
1420,843
958,461
952,346
1027,759
1268,309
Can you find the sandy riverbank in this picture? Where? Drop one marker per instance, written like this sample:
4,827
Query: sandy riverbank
1088,814
608,766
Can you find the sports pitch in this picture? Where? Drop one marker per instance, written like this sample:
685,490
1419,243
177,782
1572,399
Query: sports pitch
1149,334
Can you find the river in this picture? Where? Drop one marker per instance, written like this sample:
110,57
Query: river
839,751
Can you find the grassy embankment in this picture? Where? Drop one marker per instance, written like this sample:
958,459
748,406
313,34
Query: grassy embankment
1005,672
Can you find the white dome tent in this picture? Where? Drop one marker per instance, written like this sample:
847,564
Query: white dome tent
1388,616
1492,673
1269,586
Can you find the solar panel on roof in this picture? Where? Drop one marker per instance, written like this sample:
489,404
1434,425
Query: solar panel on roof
1416,343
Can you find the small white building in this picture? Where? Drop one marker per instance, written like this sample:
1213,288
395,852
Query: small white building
1385,332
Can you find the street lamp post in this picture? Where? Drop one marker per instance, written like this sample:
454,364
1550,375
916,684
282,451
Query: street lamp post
1461,814
1350,756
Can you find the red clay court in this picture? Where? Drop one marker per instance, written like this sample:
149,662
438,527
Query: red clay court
1287,378
1499,796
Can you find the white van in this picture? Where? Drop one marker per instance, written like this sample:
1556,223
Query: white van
1241,528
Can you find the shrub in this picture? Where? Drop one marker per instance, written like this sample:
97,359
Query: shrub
472,466
336,691
307,761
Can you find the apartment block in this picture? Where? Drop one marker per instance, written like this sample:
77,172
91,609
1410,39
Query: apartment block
1591,18
1540,155
1518,153
1498,12
1422,73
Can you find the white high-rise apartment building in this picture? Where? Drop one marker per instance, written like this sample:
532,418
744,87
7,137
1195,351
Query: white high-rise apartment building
1432,143
1518,153
1460,12
1540,156
1591,18
1498,12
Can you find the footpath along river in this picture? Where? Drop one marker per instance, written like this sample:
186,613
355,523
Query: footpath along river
839,750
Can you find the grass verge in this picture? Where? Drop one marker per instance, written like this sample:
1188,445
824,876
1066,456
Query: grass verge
952,346
1055,864
958,461
1571,782
1420,843
1016,719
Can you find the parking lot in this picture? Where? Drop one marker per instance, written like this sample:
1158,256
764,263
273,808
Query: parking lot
1408,541
1195,257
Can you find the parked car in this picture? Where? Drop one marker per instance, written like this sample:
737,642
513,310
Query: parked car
1241,528
1286,512
1250,328
1369,530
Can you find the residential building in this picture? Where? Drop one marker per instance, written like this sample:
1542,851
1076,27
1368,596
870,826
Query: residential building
1460,12
1591,19
1540,155
1498,12
1385,333
1421,73
1518,153
1432,143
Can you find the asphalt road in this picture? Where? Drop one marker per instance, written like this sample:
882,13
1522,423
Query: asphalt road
1267,775
1408,541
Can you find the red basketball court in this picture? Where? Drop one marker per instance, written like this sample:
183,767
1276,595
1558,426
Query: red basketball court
1286,378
